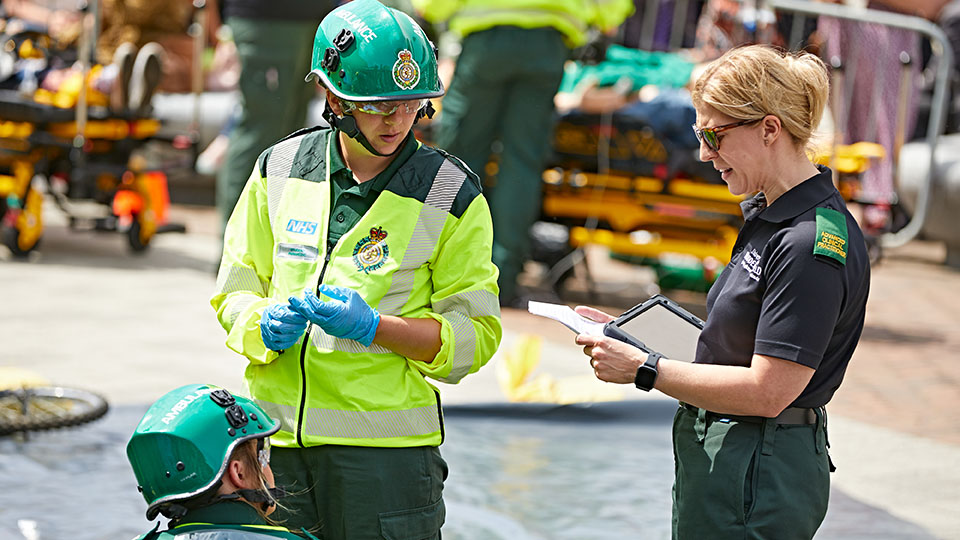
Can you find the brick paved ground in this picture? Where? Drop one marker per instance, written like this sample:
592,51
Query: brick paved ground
905,374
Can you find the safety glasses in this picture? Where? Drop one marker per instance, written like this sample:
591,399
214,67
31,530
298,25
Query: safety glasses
385,108
263,451
709,135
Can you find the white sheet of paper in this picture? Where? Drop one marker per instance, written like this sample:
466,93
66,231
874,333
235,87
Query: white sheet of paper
566,316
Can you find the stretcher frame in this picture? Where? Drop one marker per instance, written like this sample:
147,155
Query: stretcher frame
120,193
621,204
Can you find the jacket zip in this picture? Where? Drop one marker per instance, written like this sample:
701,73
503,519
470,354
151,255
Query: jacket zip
303,358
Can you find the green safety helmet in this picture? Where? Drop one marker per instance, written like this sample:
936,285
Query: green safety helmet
181,447
365,51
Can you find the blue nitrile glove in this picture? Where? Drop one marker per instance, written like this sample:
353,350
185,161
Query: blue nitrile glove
346,315
281,327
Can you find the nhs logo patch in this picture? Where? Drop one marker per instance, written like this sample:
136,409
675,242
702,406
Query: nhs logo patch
301,227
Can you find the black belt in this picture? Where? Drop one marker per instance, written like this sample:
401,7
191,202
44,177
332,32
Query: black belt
790,415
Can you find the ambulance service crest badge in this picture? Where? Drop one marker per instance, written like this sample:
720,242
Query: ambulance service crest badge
371,251
406,72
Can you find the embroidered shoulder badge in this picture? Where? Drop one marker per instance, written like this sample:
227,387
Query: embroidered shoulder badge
831,238
406,72
371,251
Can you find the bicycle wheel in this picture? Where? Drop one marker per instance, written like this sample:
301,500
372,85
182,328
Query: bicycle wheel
48,407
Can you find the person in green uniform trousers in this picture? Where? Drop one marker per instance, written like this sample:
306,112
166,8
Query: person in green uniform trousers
274,40
201,457
783,318
356,269
509,69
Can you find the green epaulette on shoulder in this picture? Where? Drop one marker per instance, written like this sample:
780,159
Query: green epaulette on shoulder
831,238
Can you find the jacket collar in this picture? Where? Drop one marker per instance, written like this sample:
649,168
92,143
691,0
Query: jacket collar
407,148
224,513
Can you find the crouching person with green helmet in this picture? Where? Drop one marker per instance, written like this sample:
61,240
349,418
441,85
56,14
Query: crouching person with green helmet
357,267
201,458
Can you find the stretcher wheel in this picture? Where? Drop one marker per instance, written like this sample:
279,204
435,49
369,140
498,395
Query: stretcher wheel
13,239
141,231
135,237
24,236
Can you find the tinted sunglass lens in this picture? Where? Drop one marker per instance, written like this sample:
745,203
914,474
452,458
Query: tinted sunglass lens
711,139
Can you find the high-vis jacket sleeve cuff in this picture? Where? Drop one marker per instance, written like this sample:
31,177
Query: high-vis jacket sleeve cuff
244,336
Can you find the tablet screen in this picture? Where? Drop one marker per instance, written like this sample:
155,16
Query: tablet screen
664,331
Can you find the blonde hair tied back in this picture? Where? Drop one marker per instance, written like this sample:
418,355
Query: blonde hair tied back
750,82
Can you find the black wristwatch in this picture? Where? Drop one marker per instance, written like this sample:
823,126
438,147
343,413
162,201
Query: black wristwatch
647,372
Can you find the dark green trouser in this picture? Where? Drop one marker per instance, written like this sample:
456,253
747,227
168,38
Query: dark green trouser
503,89
274,58
360,493
748,481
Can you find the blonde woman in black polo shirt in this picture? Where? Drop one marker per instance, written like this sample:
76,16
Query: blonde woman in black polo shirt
783,319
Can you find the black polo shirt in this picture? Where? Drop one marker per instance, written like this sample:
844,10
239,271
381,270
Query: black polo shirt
795,288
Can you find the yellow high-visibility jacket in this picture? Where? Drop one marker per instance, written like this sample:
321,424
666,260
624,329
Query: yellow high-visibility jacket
571,17
423,249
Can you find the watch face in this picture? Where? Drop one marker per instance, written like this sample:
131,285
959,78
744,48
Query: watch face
647,373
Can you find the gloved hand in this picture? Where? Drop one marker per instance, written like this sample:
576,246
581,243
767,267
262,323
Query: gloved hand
346,315
281,327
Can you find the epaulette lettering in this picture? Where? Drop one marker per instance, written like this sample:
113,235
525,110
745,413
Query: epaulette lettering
831,238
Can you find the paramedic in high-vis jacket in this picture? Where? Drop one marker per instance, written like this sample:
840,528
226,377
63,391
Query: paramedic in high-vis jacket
356,265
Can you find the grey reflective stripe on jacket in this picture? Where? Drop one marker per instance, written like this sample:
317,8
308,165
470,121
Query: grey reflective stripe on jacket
279,169
356,424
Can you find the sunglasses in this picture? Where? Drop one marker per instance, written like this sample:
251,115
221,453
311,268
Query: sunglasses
709,135
385,108
263,451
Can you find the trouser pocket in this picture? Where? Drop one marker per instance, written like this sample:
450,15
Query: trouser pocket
712,471
790,486
414,524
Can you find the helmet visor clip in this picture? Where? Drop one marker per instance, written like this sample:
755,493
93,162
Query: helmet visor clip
331,59
235,416
344,40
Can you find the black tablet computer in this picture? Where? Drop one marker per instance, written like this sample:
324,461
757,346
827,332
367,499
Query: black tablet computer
658,325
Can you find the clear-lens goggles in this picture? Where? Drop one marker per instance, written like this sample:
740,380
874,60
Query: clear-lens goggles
263,451
709,135
386,108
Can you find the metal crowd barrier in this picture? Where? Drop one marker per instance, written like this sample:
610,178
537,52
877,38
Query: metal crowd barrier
941,49
805,9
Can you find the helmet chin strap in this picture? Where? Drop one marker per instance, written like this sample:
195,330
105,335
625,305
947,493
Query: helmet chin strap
348,125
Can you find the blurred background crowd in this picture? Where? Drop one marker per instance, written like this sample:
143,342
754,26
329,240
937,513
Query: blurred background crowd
580,132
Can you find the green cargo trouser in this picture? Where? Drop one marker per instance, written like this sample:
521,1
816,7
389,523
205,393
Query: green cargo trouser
274,57
742,480
503,89
361,493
